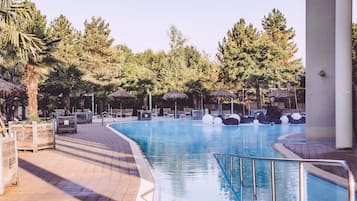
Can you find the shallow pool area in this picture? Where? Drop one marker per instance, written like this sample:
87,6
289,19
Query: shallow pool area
181,155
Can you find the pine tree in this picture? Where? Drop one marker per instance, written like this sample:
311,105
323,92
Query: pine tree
67,48
286,66
97,53
236,54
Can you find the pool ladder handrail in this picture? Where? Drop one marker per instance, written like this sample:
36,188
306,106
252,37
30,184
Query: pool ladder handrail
342,163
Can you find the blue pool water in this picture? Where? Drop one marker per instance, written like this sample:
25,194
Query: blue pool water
181,155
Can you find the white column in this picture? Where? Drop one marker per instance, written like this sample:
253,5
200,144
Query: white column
232,106
343,73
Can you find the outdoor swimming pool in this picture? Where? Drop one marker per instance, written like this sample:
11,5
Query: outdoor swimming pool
181,155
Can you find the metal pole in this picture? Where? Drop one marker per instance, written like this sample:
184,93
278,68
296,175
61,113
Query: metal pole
254,180
301,182
241,170
231,167
272,171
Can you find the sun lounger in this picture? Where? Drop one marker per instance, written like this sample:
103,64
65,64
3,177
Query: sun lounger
215,113
187,111
168,112
155,112
128,112
117,112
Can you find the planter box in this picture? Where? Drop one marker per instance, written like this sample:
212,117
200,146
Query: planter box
34,137
8,162
66,124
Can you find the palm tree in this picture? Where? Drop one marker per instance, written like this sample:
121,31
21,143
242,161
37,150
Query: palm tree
24,46
62,80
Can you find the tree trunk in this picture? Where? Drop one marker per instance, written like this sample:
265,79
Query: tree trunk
257,93
31,82
81,103
195,101
145,102
67,103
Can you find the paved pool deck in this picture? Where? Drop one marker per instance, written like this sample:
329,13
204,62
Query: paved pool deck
297,146
93,164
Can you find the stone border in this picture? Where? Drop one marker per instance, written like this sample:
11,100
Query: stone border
311,168
147,183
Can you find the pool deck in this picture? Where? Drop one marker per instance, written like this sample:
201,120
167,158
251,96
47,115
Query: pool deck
94,164
296,146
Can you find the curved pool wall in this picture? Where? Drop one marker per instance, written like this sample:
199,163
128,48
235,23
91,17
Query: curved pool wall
181,156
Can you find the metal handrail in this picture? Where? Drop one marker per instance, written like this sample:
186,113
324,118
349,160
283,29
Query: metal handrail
341,163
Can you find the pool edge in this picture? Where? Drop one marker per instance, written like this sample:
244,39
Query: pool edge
311,168
146,190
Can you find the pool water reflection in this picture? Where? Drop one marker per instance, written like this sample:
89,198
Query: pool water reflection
181,155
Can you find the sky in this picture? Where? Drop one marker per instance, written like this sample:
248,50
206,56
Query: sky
143,24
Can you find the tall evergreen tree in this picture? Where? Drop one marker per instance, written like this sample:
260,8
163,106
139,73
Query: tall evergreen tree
96,57
67,49
236,54
286,65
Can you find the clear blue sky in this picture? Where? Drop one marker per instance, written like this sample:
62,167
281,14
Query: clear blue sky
143,24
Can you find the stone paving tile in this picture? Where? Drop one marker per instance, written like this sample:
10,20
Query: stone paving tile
94,164
324,150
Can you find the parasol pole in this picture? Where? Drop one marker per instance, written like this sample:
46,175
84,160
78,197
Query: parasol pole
175,109
201,102
232,105
150,101
93,110
243,103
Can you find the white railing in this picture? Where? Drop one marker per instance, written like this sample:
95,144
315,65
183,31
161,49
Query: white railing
223,158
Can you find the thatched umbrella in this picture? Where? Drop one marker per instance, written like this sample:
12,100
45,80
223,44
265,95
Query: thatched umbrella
222,93
121,93
281,94
175,95
7,88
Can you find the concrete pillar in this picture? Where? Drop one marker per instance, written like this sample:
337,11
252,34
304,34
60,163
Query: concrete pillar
343,74
320,69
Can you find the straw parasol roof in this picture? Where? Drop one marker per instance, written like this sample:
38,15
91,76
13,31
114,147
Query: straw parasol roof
6,88
121,93
280,94
222,93
174,95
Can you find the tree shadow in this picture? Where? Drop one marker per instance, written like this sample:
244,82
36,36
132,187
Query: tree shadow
69,187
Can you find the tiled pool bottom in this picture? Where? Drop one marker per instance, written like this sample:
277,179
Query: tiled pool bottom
181,155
